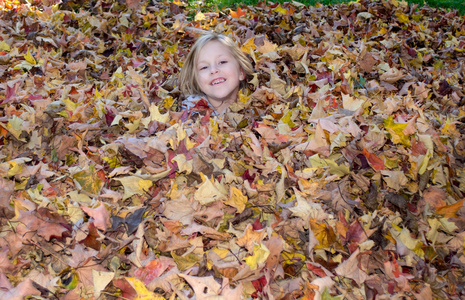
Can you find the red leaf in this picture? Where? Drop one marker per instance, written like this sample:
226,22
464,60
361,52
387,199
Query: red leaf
151,271
91,239
316,270
374,161
127,291
257,225
259,284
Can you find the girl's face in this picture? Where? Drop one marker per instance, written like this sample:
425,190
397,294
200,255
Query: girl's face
218,74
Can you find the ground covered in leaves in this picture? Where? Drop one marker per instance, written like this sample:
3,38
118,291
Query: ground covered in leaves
337,175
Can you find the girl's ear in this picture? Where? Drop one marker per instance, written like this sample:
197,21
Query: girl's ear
242,76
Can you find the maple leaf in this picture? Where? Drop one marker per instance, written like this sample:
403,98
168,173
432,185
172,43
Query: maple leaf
249,195
101,280
350,268
100,215
250,238
449,211
260,255
238,14
151,270
89,180
375,162
22,290
134,185
46,223
236,199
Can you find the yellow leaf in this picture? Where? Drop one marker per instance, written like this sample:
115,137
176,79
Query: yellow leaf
221,252
144,185
447,225
29,58
243,98
89,180
324,234
155,114
404,19
433,233
236,199
4,46
200,16
15,127
249,46
172,49
142,292
97,94
187,261
133,126
70,105
337,169
134,185
119,73
397,131
284,25
168,102
207,192
405,238
179,3
280,10
183,164
15,168
292,257
382,31
260,254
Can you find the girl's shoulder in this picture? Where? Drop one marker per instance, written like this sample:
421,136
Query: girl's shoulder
197,103
191,101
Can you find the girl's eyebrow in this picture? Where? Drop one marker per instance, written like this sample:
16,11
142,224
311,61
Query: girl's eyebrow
217,57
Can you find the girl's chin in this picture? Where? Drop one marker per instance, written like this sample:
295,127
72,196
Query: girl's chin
220,101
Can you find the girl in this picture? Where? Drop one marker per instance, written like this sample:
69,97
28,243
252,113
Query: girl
214,69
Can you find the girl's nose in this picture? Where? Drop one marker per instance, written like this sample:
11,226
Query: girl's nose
213,70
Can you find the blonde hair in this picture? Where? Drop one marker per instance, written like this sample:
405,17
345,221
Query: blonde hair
188,82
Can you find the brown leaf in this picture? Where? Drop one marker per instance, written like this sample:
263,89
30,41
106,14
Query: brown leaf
435,197
350,269
367,62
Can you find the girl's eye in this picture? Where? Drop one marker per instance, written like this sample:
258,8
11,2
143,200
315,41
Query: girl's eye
203,68
223,62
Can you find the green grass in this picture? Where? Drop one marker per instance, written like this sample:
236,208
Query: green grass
448,4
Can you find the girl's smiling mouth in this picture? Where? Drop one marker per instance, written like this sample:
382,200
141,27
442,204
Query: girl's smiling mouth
218,81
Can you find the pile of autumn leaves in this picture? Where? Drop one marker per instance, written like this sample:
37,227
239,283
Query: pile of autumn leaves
338,173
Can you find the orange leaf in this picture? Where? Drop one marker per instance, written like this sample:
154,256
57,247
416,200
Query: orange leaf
238,14
449,211
375,162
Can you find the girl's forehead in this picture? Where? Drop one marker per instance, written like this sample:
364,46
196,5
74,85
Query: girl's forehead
215,45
